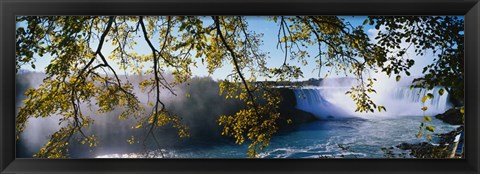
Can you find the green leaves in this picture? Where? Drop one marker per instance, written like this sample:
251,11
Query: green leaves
429,95
430,128
77,70
365,22
407,73
380,108
398,78
255,123
424,108
441,91
426,97
427,118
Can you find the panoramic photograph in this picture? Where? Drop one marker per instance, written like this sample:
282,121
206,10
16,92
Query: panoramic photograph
215,87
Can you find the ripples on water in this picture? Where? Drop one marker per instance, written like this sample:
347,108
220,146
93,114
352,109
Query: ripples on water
352,138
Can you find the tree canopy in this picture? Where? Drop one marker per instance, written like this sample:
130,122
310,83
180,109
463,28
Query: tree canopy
79,71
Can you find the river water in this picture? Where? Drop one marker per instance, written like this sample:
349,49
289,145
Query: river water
339,133
349,138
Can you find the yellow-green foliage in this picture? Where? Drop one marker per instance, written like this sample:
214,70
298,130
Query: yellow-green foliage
80,72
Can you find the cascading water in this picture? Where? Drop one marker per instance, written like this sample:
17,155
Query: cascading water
438,102
315,101
333,103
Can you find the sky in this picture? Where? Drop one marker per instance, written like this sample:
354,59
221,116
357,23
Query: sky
276,55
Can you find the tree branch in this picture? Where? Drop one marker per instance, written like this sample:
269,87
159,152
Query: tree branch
235,61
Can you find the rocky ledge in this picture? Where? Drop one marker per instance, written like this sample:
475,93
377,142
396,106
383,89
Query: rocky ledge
428,150
289,115
452,116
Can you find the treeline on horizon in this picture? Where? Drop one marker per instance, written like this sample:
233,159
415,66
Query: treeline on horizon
310,82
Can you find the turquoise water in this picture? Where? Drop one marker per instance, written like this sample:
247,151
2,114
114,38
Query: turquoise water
350,138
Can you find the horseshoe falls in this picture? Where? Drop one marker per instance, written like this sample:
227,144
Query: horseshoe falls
339,132
333,128
328,103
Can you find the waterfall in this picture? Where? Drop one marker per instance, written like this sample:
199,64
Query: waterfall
315,101
416,94
332,102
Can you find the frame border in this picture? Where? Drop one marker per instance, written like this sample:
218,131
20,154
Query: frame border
10,8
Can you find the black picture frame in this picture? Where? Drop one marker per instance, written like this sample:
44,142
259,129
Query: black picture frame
10,8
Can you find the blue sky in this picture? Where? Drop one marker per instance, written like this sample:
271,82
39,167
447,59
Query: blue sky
276,56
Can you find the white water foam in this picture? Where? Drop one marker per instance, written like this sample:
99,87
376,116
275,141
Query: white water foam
332,102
